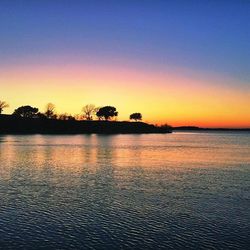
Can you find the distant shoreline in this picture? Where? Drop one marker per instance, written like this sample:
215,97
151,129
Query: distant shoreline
193,128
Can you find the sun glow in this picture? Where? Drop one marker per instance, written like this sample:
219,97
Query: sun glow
161,96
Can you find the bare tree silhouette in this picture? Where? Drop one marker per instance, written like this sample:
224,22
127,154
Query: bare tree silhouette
88,111
3,105
50,111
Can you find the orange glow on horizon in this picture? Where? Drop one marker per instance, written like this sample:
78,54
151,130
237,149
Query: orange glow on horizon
161,97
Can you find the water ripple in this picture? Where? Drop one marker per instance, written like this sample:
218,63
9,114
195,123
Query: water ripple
127,196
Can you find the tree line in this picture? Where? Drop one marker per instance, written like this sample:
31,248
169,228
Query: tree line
89,112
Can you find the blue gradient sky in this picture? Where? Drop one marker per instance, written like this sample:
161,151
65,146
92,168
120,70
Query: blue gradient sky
198,38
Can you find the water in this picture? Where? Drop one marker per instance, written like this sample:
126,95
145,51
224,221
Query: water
173,191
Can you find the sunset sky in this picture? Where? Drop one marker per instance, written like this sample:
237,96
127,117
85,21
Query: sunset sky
177,62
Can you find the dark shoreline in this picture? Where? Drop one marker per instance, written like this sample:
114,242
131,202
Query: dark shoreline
18,125
198,129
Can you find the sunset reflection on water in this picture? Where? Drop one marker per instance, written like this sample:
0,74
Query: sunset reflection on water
175,190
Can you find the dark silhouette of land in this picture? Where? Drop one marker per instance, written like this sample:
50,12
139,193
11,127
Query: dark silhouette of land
11,124
194,128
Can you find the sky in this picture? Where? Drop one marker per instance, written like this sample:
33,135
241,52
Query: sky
176,62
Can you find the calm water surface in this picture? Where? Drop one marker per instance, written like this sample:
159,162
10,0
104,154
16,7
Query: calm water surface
174,191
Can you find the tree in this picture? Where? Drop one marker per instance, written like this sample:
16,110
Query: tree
135,116
50,111
106,112
26,111
88,111
3,105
